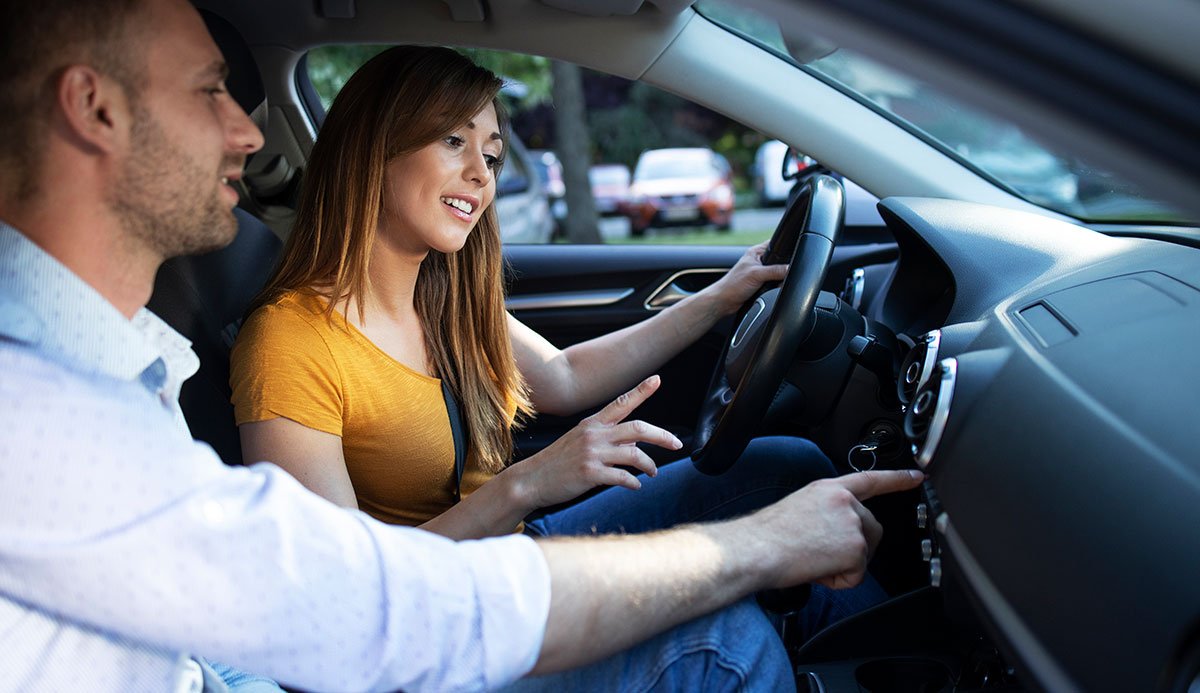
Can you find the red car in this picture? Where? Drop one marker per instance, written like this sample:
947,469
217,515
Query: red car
673,187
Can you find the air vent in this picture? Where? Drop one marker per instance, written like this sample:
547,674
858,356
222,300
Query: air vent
918,366
926,418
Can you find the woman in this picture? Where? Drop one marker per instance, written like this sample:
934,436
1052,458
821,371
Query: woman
387,308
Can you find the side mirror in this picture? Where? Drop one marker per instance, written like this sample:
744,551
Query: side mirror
796,164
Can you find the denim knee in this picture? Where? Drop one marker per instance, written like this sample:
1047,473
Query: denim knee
735,649
796,459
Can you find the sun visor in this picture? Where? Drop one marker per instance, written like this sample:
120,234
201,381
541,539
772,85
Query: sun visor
608,8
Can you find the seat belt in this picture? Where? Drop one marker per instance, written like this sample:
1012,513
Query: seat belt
459,434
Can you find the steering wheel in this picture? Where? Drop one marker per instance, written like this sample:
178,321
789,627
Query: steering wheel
773,326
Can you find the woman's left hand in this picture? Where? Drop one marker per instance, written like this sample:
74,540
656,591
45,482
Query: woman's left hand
745,279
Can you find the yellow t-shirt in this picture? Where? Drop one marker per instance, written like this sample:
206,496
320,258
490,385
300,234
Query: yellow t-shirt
291,361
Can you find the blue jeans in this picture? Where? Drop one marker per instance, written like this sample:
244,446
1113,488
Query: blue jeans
768,470
736,649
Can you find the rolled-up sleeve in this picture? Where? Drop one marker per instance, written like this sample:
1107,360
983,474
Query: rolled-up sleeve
117,523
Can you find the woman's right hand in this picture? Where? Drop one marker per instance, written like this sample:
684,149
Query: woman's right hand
592,454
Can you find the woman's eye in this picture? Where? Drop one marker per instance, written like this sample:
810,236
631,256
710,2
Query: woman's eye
493,162
455,141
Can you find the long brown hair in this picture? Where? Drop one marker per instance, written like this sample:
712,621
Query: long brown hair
398,102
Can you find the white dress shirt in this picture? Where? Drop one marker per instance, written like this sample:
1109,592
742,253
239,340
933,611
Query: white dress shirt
125,545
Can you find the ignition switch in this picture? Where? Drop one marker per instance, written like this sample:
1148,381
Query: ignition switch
881,442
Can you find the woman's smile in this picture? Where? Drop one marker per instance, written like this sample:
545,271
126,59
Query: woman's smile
460,206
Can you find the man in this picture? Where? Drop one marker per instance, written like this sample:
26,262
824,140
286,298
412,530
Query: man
124,546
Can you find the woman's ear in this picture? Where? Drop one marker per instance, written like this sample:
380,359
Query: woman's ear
94,108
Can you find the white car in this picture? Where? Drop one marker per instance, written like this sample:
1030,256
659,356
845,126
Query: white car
769,183
522,205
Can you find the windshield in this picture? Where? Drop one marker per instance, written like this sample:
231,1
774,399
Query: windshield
609,175
672,165
997,149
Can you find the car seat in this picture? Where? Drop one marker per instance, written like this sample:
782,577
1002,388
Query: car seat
204,297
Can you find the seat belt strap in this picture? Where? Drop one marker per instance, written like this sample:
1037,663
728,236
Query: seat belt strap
458,432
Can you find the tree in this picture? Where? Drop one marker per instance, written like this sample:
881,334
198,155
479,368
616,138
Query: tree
573,144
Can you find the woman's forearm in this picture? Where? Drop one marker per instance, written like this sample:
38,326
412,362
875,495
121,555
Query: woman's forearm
494,509
587,374
603,367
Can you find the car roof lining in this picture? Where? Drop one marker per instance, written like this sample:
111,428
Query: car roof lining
660,49
526,26
647,35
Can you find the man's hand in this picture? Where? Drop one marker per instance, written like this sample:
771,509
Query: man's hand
608,593
823,533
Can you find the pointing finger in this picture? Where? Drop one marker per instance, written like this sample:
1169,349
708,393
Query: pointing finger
623,406
866,485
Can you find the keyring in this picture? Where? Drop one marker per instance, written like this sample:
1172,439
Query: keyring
861,447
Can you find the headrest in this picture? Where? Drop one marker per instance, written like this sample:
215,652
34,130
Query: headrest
244,82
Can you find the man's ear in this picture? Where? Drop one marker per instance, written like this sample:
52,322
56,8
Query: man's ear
93,107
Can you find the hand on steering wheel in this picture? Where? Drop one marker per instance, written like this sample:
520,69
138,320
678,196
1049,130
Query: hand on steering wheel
773,327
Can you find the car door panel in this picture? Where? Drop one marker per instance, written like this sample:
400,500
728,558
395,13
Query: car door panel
572,293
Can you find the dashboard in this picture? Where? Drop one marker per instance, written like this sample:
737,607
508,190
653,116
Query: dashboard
1052,399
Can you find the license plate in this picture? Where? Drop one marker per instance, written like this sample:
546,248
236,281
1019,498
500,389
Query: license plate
677,213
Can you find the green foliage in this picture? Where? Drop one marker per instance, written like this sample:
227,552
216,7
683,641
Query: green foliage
645,117
531,72
648,120
330,67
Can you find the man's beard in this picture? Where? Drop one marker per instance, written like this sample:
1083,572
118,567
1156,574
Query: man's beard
166,201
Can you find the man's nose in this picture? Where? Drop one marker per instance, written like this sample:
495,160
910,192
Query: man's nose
242,135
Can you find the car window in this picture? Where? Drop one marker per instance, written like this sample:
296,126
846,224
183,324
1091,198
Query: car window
661,169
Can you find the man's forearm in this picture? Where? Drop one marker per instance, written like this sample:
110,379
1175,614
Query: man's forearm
610,593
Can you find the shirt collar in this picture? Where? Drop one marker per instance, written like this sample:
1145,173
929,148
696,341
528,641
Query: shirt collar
45,305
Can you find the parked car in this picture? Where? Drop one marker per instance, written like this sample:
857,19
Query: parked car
549,171
685,186
610,188
1039,364
522,204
